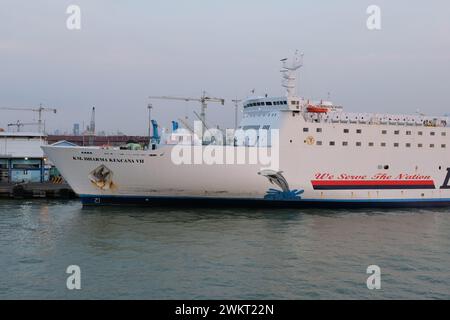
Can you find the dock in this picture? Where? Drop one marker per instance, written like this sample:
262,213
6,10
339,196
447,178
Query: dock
36,190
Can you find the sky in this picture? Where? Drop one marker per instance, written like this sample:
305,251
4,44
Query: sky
126,51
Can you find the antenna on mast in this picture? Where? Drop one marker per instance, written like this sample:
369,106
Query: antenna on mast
288,71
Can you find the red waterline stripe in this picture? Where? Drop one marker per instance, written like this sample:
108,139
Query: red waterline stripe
371,182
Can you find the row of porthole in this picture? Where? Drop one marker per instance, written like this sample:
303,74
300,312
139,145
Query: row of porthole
371,144
396,132
249,115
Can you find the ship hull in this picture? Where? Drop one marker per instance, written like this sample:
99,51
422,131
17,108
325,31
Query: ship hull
305,175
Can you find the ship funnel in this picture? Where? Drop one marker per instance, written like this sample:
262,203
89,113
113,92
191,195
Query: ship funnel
155,137
174,126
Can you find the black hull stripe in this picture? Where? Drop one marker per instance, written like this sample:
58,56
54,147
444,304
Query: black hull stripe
259,203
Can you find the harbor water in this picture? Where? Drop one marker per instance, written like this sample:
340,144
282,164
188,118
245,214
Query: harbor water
173,253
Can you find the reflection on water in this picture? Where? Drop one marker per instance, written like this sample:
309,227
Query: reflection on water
221,253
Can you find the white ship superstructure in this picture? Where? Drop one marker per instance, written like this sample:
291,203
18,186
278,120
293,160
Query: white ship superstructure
325,157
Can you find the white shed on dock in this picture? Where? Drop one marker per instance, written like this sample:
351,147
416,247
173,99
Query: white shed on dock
21,157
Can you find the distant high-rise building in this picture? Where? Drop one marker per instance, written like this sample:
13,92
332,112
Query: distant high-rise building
76,129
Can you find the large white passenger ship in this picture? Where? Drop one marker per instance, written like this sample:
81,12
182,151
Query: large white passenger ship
319,156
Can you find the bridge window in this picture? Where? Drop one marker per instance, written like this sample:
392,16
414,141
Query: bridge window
383,131
408,133
332,143
443,134
358,131
397,132
395,144
432,133
432,145
318,129
419,133
305,129
346,130
408,145
358,144
269,103
383,144
370,144
319,143
420,145
344,143
442,145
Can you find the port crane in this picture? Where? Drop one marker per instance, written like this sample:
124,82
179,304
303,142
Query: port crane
204,100
39,110
19,124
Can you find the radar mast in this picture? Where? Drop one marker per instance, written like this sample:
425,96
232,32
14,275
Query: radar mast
288,71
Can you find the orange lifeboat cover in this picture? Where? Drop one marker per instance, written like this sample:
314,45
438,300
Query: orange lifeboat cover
316,109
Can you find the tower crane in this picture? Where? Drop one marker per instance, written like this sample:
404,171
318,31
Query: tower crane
19,124
39,110
204,99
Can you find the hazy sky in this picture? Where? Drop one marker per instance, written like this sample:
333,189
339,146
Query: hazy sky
128,50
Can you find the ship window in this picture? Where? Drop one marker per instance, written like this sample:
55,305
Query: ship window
443,133
370,144
383,144
442,145
420,145
319,143
332,143
358,131
383,131
346,130
293,102
408,133
396,131
305,129
358,144
345,143
432,145
269,103
386,167
408,145
432,133
395,144
319,130
419,133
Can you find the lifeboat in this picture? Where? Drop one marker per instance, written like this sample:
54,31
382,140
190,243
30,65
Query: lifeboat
316,109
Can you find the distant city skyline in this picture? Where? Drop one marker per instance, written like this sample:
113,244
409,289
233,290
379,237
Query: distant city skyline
127,51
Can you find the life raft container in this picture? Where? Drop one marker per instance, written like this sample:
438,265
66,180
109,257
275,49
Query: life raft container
316,109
